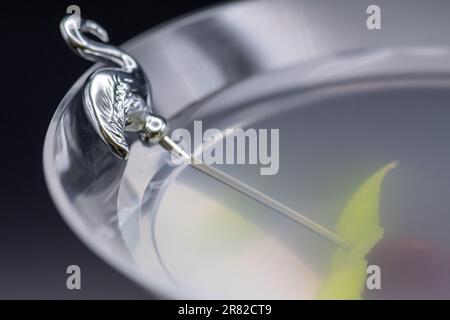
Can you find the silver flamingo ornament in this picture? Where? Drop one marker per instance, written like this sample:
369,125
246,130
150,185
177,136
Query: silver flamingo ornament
116,98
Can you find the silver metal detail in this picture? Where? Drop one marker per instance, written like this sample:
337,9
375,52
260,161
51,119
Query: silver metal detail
116,99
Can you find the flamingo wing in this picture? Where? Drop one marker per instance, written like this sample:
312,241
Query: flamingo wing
107,94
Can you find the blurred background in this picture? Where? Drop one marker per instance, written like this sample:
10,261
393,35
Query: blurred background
36,246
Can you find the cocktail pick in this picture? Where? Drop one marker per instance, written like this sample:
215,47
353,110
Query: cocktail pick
117,99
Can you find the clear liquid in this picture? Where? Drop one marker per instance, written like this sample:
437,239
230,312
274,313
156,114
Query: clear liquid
209,241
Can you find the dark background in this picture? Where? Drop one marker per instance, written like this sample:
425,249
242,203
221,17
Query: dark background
36,246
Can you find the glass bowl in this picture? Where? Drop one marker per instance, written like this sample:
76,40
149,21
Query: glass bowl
346,101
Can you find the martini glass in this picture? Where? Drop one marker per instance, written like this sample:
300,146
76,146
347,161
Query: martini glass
343,112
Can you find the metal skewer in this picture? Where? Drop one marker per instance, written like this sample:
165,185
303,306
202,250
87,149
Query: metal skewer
117,99
254,194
